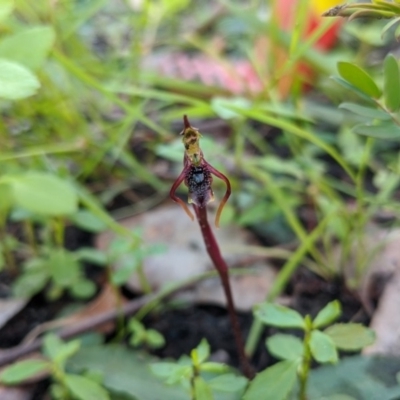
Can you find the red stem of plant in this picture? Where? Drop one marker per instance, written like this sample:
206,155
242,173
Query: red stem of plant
220,264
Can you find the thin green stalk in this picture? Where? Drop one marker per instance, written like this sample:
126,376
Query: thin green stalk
44,150
282,280
7,253
144,282
30,236
239,140
361,215
306,361
59,231
261,116
280,200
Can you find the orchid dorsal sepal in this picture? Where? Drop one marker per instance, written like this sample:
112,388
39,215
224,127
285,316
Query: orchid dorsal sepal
172,192
221,176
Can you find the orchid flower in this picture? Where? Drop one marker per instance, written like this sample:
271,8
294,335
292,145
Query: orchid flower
197,175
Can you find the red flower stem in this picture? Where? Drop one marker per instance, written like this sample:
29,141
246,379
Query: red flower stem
220,264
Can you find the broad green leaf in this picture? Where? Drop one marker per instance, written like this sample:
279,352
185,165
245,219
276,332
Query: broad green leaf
33,279
29,47
87,221
328,314
154,339
128,371
280,316
285,347
16,81
359,78
387,130
6,8
84,389
67,350
274,383
323,348
64,268
350,336
23,370
83,288
91,255
201,352
163,369
228,383
178,374
367,112
360,377
201,390
214,367
391,88
52,345
354,89
43,193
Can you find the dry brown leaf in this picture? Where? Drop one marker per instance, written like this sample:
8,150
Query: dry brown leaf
106,300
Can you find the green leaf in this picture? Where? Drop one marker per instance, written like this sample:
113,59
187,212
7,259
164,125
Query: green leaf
228,383
274,383
16,81
323,348
52,345
33,279
387,130
83,289
214,367
163,369
66,350
280,316
351,336
23,370
391,87
360,377
201,352
285,347
328,314
366,112
43,193
128,371
201,390
222,106
355,90
64,268
91,255
87,221
6,8
29,47
84,389
154,339
359,78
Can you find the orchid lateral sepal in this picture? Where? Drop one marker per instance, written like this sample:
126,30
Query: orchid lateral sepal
223,178
175,186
